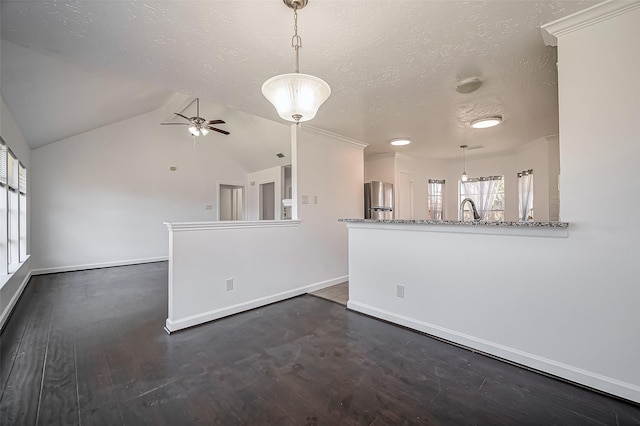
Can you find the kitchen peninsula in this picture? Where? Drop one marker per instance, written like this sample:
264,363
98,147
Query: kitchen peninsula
489,286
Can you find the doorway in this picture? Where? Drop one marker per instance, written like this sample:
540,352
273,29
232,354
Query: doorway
231,205
405,197
267,201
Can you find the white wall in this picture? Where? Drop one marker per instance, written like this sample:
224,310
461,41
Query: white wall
567,306
11,287
271,263
599,153
380,168
101,197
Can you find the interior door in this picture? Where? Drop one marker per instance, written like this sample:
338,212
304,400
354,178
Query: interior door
231,202
267,201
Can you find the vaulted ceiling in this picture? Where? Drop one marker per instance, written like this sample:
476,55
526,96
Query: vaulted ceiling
70,66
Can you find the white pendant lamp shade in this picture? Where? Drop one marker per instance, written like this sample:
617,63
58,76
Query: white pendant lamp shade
296,96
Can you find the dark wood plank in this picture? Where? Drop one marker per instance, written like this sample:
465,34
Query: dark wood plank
59,396
304,361
96,395
20,400
12,334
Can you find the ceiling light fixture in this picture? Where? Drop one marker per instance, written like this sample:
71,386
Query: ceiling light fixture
296,96
464,177
468,85
483,123
400,142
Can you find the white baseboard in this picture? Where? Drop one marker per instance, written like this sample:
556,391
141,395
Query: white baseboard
587,378
324,284
14,299
182,323
97,265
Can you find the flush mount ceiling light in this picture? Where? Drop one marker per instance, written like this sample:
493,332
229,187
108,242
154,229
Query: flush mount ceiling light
296,96
468,85
400,142
483,123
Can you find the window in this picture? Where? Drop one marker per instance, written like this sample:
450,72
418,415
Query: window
435,199
525,195
487,194
13,207
4,238
22,208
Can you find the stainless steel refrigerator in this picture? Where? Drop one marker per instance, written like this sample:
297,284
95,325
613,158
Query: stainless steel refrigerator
378,200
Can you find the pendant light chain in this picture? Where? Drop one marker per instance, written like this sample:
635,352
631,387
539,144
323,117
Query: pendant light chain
296,40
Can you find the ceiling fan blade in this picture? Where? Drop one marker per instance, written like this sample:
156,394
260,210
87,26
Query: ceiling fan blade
183,116
215,122
224,132
175,124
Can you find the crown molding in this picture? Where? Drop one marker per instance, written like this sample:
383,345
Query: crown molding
334,136
381,156
592,15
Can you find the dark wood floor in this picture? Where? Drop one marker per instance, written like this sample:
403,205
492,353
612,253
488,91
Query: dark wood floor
89,348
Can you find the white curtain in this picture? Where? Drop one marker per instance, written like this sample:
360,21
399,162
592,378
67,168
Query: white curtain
483,191
435,199
525,191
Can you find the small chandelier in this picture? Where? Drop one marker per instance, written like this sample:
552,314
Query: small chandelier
296,96
464,177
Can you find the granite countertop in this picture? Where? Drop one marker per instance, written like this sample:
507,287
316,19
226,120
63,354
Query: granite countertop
505,224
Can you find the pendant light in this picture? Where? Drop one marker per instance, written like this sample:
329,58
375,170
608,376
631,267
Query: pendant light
296,96
464,177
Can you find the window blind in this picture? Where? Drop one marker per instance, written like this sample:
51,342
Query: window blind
3,164
22,179
12,171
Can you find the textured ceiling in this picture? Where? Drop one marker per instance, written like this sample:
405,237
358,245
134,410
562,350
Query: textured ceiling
392,65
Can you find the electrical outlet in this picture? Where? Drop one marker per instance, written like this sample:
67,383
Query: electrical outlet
228,284
208,206
400,291
305,199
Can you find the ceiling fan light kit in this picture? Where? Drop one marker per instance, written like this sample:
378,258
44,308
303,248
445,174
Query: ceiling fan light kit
296,96
197,132
486,122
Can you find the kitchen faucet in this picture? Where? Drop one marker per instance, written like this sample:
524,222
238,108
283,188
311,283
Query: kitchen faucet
476,216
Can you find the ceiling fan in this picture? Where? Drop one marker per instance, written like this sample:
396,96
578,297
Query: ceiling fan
198,125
